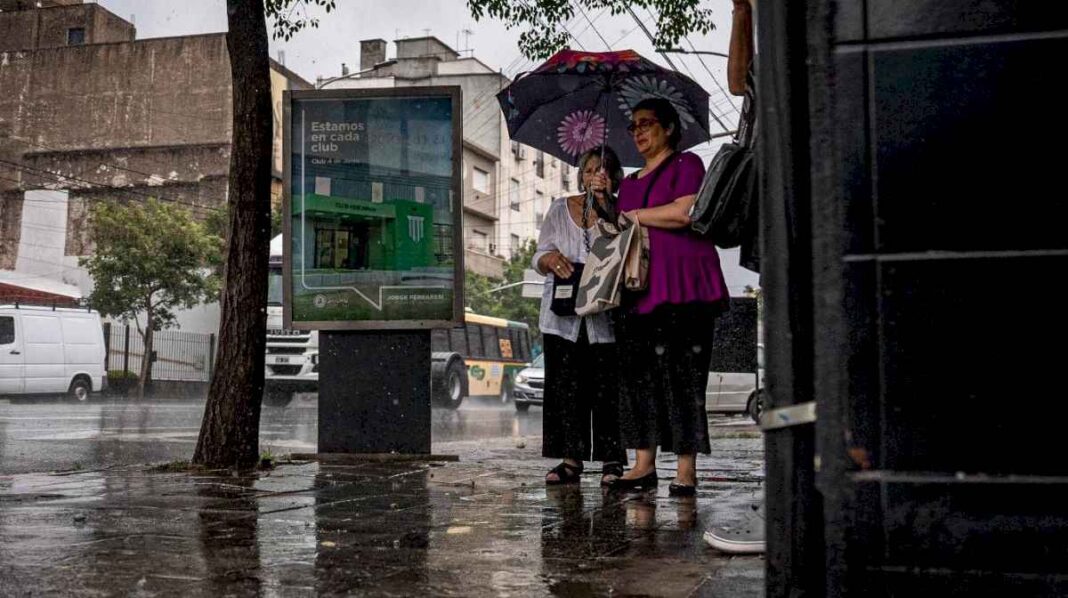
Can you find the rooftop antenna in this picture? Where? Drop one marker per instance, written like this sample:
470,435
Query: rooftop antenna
467,39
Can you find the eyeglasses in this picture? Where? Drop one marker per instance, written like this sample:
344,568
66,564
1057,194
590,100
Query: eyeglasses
641,126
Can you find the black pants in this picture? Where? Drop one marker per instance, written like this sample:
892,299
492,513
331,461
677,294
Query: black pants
665,356
581,395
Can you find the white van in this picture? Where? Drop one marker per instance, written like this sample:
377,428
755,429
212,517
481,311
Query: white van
45,350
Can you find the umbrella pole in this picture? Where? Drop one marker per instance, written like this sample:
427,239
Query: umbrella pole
610,209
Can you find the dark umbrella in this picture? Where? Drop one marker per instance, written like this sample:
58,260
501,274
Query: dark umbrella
576,100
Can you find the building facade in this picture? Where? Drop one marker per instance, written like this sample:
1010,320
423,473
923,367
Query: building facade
88,113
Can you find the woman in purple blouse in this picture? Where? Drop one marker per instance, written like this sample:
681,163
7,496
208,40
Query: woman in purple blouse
664,333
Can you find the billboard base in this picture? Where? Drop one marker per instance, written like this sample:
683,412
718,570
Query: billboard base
374,392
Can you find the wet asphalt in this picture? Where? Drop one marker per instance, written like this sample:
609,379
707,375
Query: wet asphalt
93,520
56,435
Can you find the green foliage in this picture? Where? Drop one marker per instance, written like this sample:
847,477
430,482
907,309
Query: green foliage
543,21
276,222
151,258
508,303
291,16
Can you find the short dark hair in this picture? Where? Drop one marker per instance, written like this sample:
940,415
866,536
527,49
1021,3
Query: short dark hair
610,164
667,116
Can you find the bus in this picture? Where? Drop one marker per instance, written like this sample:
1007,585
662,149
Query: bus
480,359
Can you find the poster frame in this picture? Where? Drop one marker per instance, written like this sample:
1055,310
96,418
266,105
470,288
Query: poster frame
289,97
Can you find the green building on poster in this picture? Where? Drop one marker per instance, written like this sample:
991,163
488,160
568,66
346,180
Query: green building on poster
343,233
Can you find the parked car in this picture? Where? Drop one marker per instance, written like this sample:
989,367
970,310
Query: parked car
48,351
737,392
529,387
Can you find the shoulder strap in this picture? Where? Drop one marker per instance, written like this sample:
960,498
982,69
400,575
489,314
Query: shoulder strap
653,176
747,119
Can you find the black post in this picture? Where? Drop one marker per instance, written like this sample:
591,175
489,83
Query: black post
211,355
374,392
126,352
107,347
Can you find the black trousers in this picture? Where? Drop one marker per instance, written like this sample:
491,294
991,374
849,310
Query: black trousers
665,356
581,397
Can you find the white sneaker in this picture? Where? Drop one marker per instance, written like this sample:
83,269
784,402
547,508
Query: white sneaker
745,537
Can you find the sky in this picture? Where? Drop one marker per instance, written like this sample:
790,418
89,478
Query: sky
321,51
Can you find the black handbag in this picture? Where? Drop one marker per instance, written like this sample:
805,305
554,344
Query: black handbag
725,208
565,291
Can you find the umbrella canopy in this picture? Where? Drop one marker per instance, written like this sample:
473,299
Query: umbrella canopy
576,100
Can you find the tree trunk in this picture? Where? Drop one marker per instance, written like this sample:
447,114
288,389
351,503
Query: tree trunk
229,434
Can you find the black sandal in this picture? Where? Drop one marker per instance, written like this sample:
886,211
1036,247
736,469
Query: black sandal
611,468
565,474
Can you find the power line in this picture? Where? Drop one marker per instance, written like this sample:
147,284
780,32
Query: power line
624,36
56,177
595,30
709,71
667,58
595,19
116,166
672,64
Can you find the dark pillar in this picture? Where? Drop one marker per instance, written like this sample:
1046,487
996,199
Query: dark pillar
374,392
794,511
911,247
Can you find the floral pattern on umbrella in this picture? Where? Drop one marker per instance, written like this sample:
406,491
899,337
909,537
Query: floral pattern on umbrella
639,88
580,131
570,61
550,107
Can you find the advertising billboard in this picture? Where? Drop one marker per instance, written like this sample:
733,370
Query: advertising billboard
372,209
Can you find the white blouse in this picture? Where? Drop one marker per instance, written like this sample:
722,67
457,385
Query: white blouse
559,232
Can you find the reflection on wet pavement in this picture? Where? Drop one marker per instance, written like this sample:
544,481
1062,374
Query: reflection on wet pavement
50,435
464,529
486,526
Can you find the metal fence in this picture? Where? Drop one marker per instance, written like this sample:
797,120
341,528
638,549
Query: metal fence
179,356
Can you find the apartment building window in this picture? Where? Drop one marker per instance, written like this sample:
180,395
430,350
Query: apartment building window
515,245
519,150
76,36
513,195
479,241
539,218
539,164
481,180
539,198
565,178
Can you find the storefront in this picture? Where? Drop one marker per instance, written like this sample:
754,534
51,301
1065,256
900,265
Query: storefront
347,234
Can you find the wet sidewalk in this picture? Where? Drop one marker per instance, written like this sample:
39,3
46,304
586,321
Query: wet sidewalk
486,526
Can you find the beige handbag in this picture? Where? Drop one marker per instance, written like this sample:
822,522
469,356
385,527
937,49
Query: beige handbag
618,259
601,286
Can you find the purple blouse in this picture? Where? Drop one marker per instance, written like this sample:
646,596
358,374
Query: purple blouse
683,266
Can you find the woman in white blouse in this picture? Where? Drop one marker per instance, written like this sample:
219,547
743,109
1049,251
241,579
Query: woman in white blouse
580,363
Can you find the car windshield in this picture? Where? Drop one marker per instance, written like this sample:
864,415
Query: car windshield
539,361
